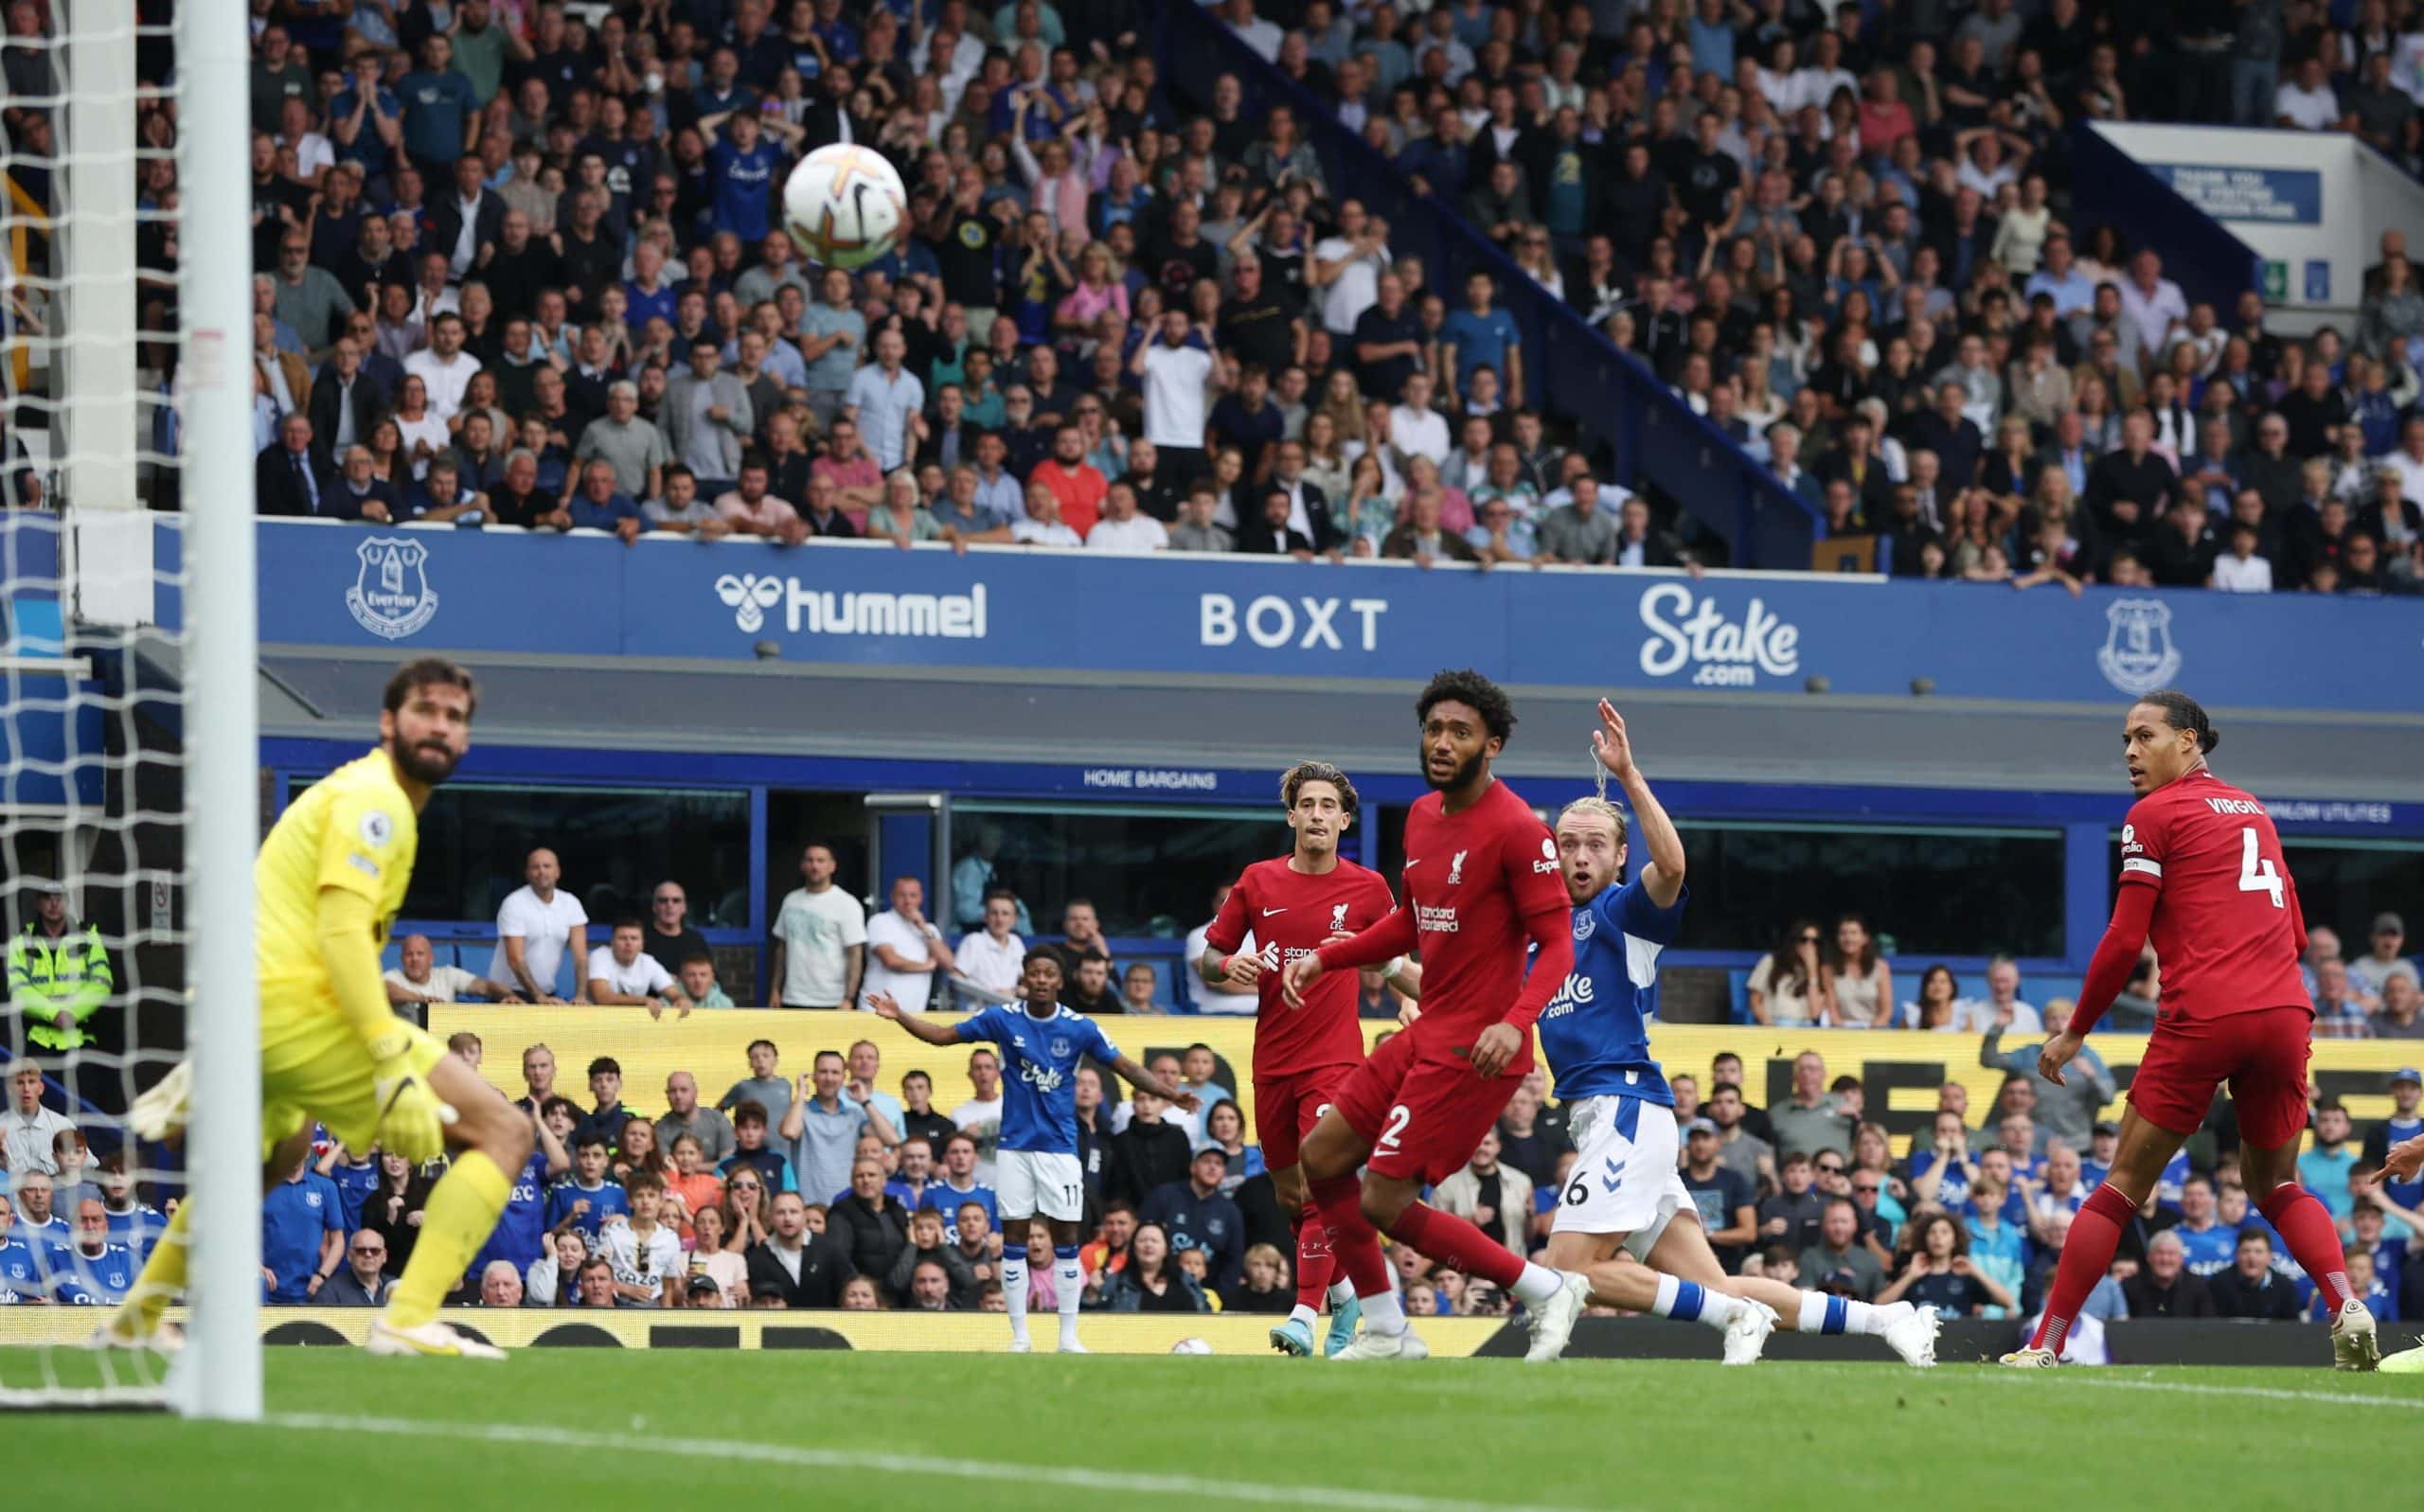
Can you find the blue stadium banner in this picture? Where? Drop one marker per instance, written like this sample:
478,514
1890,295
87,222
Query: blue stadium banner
2273,196
506,593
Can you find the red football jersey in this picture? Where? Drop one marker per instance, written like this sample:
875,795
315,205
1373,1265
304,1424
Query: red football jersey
2227,923
1290,913
1472,880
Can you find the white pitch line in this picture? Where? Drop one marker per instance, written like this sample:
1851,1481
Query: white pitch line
2077,1375
811,1457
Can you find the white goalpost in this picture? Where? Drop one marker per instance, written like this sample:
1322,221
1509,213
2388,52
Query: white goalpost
128,747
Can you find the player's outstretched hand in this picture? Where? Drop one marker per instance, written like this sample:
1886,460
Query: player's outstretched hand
1302,974
2404,1160
2058,1052
1409,1012
1187,1101
412,1118
885,1006
1609,743
1494,1047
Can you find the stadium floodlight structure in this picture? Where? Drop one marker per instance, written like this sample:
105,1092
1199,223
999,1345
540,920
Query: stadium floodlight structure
128,670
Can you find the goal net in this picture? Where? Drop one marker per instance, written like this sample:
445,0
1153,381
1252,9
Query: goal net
128,752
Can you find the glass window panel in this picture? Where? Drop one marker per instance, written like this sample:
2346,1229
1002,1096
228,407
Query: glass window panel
2343,883
615,845
1934,892
1148,870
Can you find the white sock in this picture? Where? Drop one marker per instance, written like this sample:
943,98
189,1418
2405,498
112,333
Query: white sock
1341,1291
1068,1286
1015,1295
1821,1313
1536,1285
1693,1303
1384,1313
1300,1313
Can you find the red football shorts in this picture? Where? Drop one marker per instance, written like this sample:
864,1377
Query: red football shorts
2261,1055
1424,1118
1286,1108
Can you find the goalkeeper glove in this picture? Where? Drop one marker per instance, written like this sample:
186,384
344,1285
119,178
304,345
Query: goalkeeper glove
411,1116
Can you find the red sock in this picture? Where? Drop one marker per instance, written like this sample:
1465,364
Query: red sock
1315,1264
2087,1259
1355,1245
2314,1242
1450,1241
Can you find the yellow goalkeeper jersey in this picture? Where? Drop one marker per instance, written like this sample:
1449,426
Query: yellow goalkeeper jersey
355,829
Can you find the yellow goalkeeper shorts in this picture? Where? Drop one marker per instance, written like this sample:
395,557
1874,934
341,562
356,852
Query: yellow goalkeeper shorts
313,1066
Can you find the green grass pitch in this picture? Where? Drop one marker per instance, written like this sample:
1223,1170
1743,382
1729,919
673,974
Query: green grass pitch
563,1428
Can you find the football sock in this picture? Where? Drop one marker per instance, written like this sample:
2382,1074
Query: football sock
163,1277
1822,1313
1315,1263
462,1213
1690,1302
1453,1241
1354,1243
2087,1256
1015,1293
1068,1288
1537,1283
1384,1313
2314,1242
1341,1291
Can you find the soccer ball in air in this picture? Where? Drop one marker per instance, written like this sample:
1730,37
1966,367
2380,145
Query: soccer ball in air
845,205
1190,1346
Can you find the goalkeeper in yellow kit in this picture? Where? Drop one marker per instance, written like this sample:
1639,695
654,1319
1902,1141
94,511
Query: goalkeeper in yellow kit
330,878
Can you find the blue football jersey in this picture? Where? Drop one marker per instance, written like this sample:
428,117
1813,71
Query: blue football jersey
354,1186
1039,1072
23,1276
606,1200
521,1233
2210,1250
138,1228
1595,1031
93,1281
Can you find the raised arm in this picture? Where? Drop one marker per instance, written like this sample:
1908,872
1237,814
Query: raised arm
885,1006
1662,877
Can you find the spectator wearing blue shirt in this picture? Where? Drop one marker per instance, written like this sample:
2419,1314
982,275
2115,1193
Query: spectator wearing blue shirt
743,165
354,1178
365,120
590,1197
599,507
823,1125
887,402
440,111
1197,1217
302,1234
1482,335
22,1263
96,1271
136,1225
2324,1169
2211,1244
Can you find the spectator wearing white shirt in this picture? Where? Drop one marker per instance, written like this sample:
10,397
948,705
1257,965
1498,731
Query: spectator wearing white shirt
28,1130
904,949
2001,1008
1044,525
417,978
988,958
1416,428
820,938
2150,301
2307,103
1123,527
1347,268
1178,378
1210,999
2239,570
886,404
623,974
443,366
536,926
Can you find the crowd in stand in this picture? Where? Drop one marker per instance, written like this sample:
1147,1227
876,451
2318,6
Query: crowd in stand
519,268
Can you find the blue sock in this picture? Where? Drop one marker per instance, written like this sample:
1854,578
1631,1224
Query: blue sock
1678,1300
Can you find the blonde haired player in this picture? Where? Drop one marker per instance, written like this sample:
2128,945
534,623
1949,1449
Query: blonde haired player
328,880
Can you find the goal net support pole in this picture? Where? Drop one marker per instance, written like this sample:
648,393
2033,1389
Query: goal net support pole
223,818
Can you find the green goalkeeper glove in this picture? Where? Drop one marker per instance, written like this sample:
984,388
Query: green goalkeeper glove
412,1118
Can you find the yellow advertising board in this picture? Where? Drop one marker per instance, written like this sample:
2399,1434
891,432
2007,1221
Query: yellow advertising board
1900,1070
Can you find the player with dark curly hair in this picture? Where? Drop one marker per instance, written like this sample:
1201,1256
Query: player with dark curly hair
1482,886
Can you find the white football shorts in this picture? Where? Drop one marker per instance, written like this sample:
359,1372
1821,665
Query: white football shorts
1624,1179
1035,1183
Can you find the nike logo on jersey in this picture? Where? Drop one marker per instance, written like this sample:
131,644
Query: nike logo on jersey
1268,912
